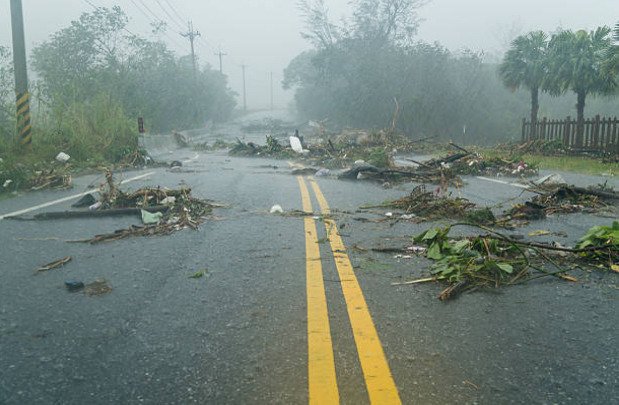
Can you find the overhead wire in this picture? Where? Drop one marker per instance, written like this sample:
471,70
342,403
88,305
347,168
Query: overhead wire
171,17
157,20
174,10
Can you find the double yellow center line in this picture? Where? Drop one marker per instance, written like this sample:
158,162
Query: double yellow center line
322,378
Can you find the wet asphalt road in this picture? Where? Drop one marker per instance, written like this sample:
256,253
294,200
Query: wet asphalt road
238,335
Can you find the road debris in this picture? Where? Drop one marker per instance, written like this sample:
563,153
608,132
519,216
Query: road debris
199,274
494,260
97,287
149,218
55,264
63,157
295,144
86,201
276,209
428,205
184,211
562,199
59,178
74,285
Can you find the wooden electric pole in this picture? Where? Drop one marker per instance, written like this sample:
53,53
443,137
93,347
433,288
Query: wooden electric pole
22,96
221,56
243,67
192,35
271,74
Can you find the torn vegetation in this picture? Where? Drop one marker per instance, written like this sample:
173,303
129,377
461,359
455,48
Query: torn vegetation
495,260
174,209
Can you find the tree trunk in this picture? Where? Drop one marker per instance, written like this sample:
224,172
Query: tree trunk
580,120
534,111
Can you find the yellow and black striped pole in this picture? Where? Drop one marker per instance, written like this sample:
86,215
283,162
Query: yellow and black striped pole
24,127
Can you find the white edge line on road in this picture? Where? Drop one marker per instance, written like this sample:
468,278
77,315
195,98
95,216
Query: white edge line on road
518,185
192,159
71,197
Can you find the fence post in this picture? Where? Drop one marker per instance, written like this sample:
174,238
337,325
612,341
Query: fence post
524,129
566,132
595,135
542,133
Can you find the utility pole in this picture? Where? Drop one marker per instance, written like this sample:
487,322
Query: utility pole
271,74
22,96
221,55
192,35
244,66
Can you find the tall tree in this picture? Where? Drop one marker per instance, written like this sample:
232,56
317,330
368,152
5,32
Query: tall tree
95,55
577,63
525,65
613,57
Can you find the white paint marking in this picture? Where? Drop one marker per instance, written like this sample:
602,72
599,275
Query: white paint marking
192,159
518,185
69,198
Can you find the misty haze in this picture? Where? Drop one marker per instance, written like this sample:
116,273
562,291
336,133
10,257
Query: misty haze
309,201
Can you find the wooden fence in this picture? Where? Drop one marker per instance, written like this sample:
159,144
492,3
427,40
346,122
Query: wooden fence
600,134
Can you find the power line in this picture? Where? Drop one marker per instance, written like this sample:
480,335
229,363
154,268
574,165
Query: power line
170,16
174,10
157,20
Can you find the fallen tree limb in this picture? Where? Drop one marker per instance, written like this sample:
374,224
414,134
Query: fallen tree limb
98,214
55,264
418,281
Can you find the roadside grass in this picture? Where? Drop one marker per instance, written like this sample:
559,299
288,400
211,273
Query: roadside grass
574,164
96,134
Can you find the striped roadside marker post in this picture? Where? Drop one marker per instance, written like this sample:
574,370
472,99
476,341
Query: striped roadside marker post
22,99
24,127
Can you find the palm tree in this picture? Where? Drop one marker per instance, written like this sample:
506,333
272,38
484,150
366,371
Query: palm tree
577,63
525,65
613,59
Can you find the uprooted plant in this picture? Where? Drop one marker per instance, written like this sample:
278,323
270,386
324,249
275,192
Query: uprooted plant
496,260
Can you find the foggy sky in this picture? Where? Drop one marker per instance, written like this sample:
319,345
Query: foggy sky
264,34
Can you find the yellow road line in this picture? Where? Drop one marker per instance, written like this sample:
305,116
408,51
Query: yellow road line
322,381
378,379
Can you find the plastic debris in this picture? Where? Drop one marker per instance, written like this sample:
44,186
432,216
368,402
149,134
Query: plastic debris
62,157
74,285
149,218
95,206
551,179
295,144
7,183
168,201
85,201
276,209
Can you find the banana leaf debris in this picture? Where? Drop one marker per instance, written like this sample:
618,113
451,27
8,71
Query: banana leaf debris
492,260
